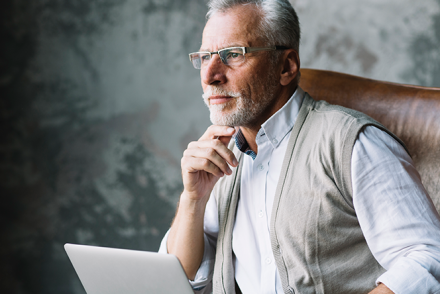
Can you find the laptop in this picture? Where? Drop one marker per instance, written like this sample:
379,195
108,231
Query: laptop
115,271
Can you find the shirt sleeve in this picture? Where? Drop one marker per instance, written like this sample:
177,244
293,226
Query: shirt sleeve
204,273
396,215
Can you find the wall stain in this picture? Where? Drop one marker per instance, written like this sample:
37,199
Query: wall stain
338,47
425,57
150,215
194,10
366,58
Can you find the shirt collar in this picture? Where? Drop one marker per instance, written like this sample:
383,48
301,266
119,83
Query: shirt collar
277,126
243,145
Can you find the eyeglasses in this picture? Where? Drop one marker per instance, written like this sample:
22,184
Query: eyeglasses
230,56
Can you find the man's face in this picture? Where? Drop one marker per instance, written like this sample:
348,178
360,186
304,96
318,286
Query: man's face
241,95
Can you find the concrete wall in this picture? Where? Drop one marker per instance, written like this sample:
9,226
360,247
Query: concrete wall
98,101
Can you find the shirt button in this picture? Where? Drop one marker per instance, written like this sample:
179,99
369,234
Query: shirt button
260,213
275,141
268,260
260,167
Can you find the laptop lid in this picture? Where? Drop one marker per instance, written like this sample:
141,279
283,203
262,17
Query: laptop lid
115,271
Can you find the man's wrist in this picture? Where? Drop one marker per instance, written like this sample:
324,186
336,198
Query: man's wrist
192,205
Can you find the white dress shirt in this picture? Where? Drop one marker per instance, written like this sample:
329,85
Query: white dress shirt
397,218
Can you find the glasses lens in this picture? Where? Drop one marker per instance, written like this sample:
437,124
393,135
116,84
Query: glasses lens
195,60
232,56
199,58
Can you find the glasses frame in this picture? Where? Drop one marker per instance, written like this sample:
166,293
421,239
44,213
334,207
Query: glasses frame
244,49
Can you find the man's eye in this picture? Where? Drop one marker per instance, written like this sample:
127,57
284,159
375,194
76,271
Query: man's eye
204,57
232,55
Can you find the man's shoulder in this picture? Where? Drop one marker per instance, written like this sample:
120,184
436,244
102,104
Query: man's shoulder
332,121
324,108
330,117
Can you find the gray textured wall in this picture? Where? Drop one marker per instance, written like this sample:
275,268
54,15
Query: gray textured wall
98,101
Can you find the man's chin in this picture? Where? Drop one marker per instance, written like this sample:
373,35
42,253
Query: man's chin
222,119
223,124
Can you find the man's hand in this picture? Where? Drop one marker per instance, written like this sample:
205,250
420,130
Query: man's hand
205,161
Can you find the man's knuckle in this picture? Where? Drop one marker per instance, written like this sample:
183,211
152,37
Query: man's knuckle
215,143
205,163
210,152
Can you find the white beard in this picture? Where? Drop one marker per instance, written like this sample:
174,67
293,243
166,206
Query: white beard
246,110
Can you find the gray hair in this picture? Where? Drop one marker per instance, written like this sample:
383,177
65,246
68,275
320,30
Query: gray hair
280,24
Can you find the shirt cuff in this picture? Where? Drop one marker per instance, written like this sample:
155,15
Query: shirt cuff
407,276
204,273
163,244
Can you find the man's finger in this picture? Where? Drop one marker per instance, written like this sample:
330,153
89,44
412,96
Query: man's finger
195,164
225,139
215,132
215,145
211,155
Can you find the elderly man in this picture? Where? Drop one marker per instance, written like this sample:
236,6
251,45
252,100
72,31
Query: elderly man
309,197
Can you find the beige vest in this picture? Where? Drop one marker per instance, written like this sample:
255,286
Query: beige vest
315,235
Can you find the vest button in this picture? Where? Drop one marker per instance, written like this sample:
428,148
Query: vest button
290,289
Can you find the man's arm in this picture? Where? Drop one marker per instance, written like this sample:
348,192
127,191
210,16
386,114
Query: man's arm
397,217
203,163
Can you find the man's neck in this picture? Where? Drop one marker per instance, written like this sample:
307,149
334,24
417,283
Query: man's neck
250,132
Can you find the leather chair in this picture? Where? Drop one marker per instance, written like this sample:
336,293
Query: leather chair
410,112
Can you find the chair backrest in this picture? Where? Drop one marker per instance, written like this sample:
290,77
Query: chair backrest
410,112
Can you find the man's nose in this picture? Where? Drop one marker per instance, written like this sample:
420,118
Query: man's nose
213,73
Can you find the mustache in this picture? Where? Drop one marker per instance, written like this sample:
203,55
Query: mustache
215,91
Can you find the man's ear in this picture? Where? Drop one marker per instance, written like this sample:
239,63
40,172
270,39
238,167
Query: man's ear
291,65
